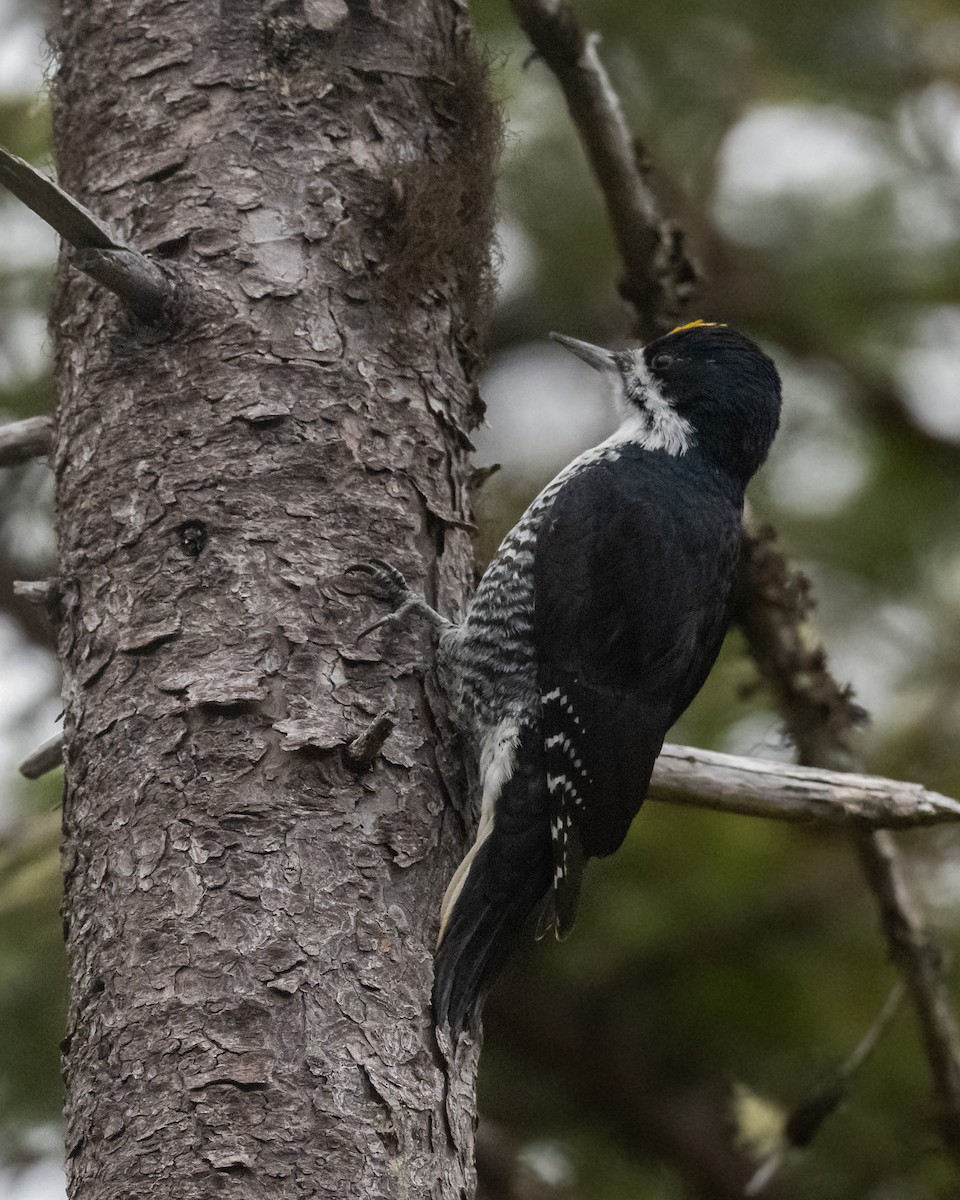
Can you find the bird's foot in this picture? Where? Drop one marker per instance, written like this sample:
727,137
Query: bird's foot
388,584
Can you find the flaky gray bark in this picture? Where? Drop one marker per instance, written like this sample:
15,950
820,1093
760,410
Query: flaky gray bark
250,921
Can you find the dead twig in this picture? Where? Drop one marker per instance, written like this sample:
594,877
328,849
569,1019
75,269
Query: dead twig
22,440
145,289
44,593
658,273
46,758
362,752
787,792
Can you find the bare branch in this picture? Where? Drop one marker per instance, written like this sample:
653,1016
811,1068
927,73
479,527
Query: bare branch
130,275
22,440
34,623
787,792
75,224
659,276
44,593
46,758
918,957
139,282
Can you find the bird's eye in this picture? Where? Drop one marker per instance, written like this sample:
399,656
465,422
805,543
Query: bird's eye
662,361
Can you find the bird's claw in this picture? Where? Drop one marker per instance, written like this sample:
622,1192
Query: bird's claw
389,584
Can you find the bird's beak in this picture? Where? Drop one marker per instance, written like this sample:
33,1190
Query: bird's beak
593,356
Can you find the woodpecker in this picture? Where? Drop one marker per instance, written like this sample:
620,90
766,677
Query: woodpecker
591,631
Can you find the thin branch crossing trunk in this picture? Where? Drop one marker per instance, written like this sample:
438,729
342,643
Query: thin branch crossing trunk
250,914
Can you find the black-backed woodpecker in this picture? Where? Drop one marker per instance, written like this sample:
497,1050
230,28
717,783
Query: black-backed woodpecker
592,630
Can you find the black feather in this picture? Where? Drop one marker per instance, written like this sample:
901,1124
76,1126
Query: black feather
508,877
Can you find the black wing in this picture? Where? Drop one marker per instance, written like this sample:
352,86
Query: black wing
632,574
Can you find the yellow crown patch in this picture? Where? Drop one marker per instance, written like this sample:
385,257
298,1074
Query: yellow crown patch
697,325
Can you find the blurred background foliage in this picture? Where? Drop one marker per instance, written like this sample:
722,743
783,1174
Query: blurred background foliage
811,152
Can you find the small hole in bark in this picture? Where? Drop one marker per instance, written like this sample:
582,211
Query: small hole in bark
234,1169
97,987
193,537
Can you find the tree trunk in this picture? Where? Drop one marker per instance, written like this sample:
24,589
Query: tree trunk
250,916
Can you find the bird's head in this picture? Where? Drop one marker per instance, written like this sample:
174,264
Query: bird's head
701,384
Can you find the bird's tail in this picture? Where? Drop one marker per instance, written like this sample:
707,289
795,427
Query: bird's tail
498,885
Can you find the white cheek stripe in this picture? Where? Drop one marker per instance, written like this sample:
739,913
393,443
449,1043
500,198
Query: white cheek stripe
649,419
